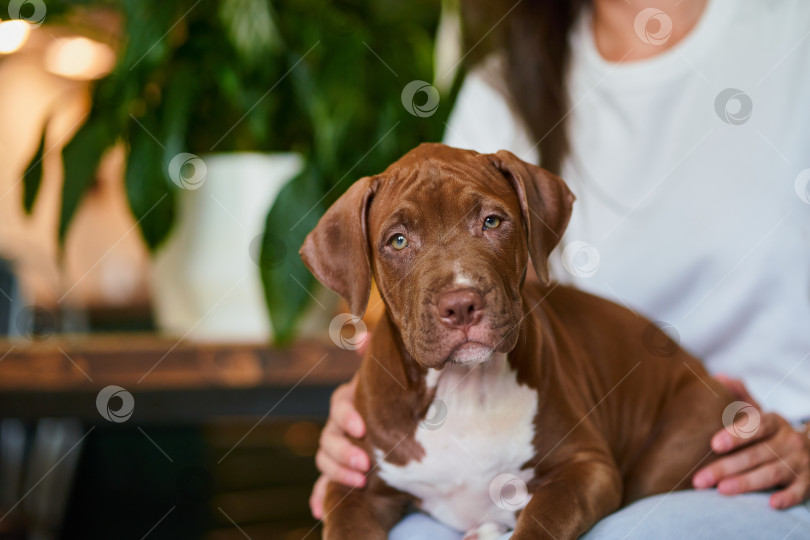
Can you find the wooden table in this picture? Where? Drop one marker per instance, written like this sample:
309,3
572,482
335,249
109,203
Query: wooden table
170,380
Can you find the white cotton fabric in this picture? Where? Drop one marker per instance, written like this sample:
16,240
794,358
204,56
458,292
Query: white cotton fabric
695,221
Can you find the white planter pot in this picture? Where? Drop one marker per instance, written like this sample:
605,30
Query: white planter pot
207,286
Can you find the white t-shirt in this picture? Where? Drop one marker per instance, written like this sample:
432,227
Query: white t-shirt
698,213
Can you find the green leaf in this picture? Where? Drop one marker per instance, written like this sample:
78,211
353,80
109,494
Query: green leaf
148,30
32,177
250,28
80,158
151,198
287,281
179,97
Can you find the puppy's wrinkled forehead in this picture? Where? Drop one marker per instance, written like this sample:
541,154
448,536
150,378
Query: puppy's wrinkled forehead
438,183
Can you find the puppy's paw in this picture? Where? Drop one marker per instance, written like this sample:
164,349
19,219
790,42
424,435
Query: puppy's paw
488,530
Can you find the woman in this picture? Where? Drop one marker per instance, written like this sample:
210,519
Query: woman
684,130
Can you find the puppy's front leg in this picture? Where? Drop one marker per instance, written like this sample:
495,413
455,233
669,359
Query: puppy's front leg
352,513
571,499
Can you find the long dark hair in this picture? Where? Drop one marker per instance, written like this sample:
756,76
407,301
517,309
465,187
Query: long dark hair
533,41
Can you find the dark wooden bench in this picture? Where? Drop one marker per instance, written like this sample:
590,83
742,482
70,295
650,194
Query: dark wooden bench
171,380
232,427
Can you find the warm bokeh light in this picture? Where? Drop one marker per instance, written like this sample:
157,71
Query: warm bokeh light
13,35
79,58
302,438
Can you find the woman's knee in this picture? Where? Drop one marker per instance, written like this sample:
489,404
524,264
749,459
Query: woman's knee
419,526
701,515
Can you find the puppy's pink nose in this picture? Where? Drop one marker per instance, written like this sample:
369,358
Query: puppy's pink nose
461,308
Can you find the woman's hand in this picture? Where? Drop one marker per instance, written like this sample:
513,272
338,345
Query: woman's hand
337,459
773,455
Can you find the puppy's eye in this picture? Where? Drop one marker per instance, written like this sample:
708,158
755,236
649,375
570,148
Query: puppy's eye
492,222
399,242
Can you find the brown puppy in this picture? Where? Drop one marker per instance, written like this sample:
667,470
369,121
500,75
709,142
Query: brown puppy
491,404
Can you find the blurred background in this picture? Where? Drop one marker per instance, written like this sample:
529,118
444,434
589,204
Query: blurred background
166,360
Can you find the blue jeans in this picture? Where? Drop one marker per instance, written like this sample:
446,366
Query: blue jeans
695,515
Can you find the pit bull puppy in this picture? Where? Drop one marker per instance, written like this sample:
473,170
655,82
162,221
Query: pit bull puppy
493,402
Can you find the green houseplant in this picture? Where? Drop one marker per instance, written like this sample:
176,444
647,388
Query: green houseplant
324,79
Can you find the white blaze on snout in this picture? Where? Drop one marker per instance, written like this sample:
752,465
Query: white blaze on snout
487,430
460,278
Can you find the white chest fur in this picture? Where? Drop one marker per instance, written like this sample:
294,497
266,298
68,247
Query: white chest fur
477,435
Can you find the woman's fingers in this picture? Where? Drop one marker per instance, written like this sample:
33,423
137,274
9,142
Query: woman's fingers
343,419
363,341
338,447
337,473
337,458
774,473
342,411
771,454
794,494
748,428
317,496
733,464
347,418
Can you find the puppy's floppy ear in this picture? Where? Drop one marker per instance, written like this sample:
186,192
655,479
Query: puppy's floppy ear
337,249
545,202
